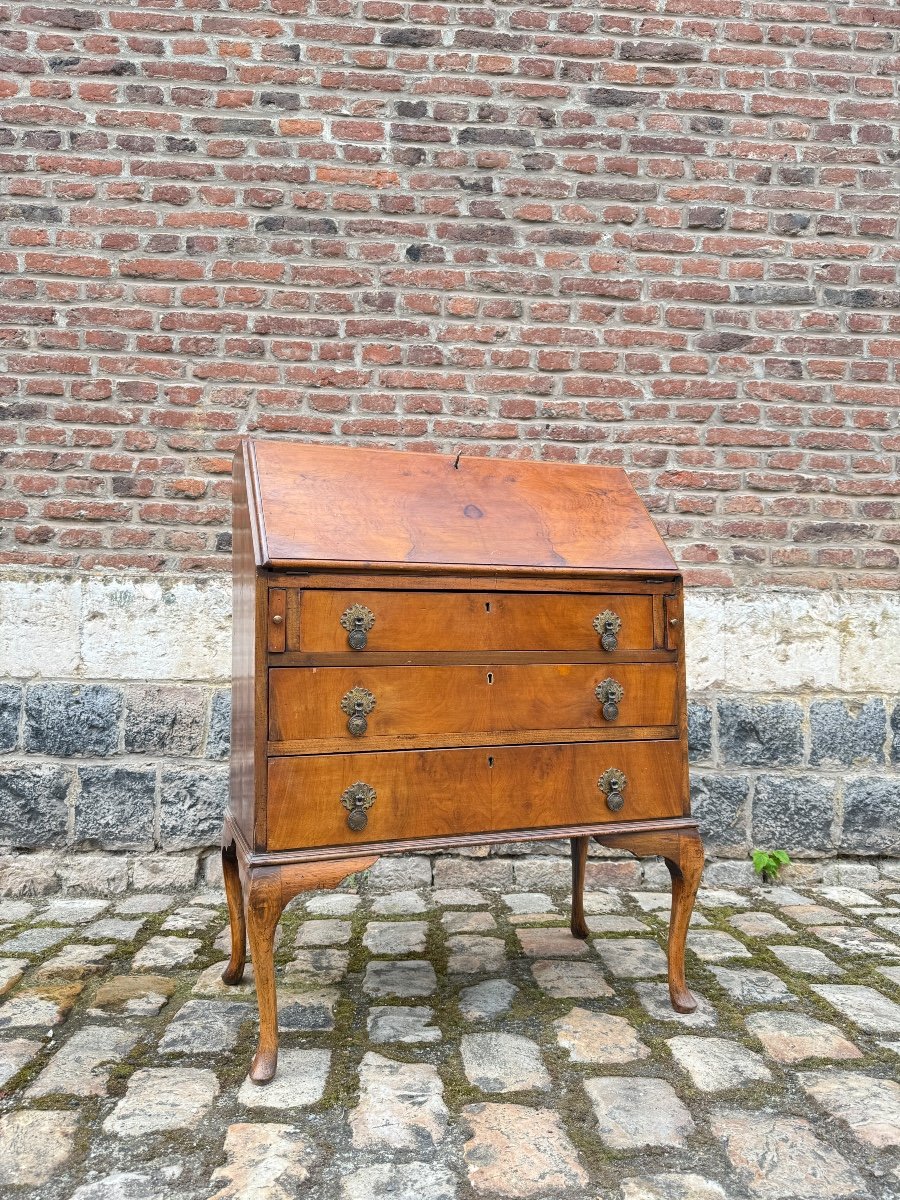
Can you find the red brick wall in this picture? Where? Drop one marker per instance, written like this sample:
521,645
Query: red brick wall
660,235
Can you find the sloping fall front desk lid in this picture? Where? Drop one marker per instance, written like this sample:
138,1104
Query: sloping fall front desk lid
325,506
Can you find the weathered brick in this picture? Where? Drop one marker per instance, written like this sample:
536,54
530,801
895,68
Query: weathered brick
191,239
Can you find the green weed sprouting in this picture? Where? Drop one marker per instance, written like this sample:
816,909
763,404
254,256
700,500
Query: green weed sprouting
767,863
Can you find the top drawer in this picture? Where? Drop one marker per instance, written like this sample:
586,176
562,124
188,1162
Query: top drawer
341,622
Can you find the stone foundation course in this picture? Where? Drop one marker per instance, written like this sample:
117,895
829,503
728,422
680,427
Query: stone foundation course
115,721
144,767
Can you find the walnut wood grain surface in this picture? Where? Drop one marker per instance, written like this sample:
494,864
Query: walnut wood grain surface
422,793
427,702
327,504
247,764
460,621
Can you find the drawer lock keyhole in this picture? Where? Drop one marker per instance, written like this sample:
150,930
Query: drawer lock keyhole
610,693
357,620
607,624
358,799
612,784
357,704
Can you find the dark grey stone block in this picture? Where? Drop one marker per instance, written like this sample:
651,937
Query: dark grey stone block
721,805
895,733
33,805
218,742
191,806
699,731
66,720
167,721
10,707
115,808
793,814
840,739
760,735
872,815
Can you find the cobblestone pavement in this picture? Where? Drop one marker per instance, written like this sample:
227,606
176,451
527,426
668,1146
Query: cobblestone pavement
454,1044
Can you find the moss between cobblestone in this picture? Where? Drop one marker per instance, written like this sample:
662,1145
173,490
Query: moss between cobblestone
532,1012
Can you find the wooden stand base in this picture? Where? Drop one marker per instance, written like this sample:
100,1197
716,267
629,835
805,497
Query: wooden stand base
259,886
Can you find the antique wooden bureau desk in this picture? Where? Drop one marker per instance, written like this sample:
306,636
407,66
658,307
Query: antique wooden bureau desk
435,651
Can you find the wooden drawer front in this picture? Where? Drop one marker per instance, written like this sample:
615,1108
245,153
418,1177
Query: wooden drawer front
430,702
466,621
432,793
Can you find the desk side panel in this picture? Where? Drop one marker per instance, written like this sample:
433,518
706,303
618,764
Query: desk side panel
673,611
248,690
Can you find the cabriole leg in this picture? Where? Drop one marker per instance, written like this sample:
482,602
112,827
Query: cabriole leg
682,850
264,906
268,891
685,867
579,862
234,893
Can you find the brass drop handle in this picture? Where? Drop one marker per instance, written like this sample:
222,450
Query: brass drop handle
607,624
610,693
612,784
357,620
357,704
358,799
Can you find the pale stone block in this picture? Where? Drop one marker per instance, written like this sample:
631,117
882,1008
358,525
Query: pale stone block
95,874
82,1066
29,874
780,642
717,1064
671,1187
44,612
503,1062
704,623
15,1053
172,872
868,628
399,1181
592,1037
636,1112
173,628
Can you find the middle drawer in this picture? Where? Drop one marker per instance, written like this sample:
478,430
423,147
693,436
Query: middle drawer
356,705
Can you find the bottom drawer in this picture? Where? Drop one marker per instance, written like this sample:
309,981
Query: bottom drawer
435,793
